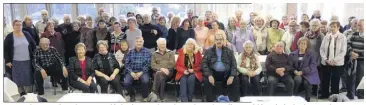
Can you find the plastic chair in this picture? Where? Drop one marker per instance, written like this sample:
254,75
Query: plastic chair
10,89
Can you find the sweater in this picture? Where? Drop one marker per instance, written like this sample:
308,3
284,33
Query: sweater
131,37
171,39
340,49
32,31
356,43
182,36
288,38
274,61
149,37
244,70
274,36
260,37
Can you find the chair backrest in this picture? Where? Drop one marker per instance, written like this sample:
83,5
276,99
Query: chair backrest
10,89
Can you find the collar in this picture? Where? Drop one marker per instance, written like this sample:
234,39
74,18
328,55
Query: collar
166,51
334,35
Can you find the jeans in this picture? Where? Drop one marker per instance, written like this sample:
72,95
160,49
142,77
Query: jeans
332,75
354,79
144,79
187,83
299,80
249,85
286,79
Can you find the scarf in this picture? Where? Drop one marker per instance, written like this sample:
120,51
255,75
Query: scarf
101,33
312,35
190,59
253,61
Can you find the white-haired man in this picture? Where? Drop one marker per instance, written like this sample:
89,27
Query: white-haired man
41,24
66,27
150,33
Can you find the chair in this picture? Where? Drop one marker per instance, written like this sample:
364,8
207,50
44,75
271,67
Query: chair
10,89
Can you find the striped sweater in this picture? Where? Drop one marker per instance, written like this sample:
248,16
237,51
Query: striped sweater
355,43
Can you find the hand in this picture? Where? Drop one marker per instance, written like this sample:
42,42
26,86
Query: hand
186,72
250,74
89,81
107,78
296,72
165,71
230,80
282,74
279,71
329,62
64,72
191,70
211,80
84,82
354,55
139,74
44,74
154,32
9,65
112,77
299,73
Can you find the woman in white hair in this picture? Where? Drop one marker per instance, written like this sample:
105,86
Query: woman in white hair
249,67
260,34
231,29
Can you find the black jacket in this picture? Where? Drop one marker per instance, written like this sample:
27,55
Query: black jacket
210,58
149,37
75,69
182,38
99,65
33,32
71,40
171,39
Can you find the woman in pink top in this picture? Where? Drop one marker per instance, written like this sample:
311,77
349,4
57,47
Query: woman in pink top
201,33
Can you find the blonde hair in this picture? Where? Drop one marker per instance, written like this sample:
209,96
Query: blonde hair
175,21
196,47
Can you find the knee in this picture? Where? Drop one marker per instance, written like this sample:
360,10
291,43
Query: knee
291,82
272,80
297,79
145,80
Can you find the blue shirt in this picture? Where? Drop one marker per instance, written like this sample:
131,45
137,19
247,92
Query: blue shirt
219,66
137,61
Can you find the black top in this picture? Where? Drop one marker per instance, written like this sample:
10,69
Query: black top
105,63
75,68
71,40
221,26
149,38
33,32
182,36
274,61
171,39
63,29
300,57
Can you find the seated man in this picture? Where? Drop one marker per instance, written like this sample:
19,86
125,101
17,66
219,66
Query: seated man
162,62
47,61
137,64
219,65
279,68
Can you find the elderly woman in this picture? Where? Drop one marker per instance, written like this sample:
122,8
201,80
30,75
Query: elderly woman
106,69
274,34
18,48
116,37
289,36
183,34
240,36
132,32
124,24
82,71
172,33
304,18
29,27
82,21
332,52
249,68
188,69
304,27
210,41
201,33
231,29
260,34
139,20
55,38
304,63
121,53
89,35
72,39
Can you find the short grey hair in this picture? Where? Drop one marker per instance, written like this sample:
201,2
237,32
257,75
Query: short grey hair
102,42
44,39
314,21
161,40
80,45
140,37
304,39
44,11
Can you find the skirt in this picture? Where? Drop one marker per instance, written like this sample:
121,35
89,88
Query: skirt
22,73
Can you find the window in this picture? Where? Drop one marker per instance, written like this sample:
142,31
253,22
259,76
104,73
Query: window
16,11
34,10
58,11
123,9
87,9
7,13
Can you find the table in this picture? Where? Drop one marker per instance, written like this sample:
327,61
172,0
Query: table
91,97
273,99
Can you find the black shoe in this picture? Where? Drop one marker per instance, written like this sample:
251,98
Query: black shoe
132,98
323,97
189,100
22,94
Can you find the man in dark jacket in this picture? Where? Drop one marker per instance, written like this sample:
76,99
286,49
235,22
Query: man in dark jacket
279,68
219,66
150,33
65,28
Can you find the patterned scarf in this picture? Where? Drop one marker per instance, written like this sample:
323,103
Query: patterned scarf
312,35
253,61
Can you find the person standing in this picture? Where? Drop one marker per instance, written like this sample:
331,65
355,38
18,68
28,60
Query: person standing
132,32
150,33
183,34
29,27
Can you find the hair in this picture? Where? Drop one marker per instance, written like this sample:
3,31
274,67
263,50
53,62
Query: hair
238,11
196,47
76,22
145,15
324,22
88,17
175,21
130,13
48,24
15,21
304,39
79,45
259,18
228,23
186,20
100,21
132,19
305,23
161,18
208,12
253,46
124,41
361,20
293,21
102,42
336,23
68,16
351,18
305,15
80,17
314,21
278,23
161,39
46,39
112,18
194,17
44,11
26,17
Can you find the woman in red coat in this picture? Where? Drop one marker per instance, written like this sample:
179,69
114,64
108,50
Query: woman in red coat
188,69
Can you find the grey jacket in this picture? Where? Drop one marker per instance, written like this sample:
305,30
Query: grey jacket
340,49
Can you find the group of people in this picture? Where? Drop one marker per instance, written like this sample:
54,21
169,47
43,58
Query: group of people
142,47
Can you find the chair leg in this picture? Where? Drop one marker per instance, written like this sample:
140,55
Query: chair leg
54,87
203,93
176,91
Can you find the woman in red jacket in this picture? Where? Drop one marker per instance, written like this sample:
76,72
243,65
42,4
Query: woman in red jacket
188,69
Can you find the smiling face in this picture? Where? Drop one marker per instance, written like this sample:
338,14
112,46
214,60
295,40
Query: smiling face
248,48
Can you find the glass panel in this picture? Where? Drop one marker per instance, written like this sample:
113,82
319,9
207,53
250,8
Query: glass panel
58,11
7,13
87,9
34,10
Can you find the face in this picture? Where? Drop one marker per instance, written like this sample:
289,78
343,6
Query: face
28,21
105,17
214,26
170,16
101,11
201,22
195,22
274,24
89,22
75,27
130,15
317,14
82,20
44,45
315,27
124,46
102,49
304,18
44,16
354,24
293,18
186,24
101,25
17,26
219,41
67,20
146,19
360,26
214,17
334,28
303,45
232,22
279,48
190,14
162,22
248,48
155,11
243,25
162,46
323,28
123,23
252,15
190,46
259,22
80,51
51,28
208,15
116,26
292,27
238,15
131,23
139,43
284,19
303,28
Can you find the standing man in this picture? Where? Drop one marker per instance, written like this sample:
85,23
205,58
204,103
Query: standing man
41,24
150,33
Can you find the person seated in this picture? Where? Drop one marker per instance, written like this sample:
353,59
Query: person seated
162,63
219,65
121,54
47,61
137,66
188,69
106,69
82,71
249,68
304,63
279,68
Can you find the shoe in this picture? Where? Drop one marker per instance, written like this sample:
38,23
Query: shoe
132,99
22,94
65,91
323,97
144,100
162,100
189,100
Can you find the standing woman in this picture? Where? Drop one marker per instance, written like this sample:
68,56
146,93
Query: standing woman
231,28
304,63
88,37
124,24
183,34
332,51
274,34
18,48
132,32
82,71
82,21
260,34
116,37
55,38
188,69
289,36
172,34
240,36
30,28
304,27
162,27
139,19
304,18
201,33
72,39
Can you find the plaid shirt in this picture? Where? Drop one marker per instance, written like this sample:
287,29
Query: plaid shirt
42,59
137,61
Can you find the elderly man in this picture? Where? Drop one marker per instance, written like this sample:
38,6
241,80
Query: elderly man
316,15
238,17
155,15
150,33
137,66
47,61
162,62
356,52
349,25
215,18
66,27
219,65
169,20
279,68
41,24
353,28
100,13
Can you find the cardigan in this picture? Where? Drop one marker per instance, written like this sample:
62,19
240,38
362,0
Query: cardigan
74,68
308,66
181,66
340,49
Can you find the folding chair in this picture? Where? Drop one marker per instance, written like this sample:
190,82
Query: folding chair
10,89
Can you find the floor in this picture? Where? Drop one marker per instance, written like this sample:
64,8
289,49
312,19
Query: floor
169,95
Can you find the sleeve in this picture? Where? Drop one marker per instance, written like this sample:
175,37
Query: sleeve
288,67
180,63
259,69
322,50
204,64
268,63
234,71
57,55
176,39
115,62
146,66
193,34
71,68
7,48
154,64
311,67
343,50
198,58
35,61
241,69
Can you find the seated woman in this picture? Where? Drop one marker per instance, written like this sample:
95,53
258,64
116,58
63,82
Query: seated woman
106,68
249,67
121,53
305,70
82,71
188,69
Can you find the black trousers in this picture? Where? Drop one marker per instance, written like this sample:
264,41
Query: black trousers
301,81
286,79
86,89
248,85
332,75
103,83
160,79
54,71
221,77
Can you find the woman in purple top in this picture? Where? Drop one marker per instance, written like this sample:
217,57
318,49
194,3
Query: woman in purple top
305,70
240,36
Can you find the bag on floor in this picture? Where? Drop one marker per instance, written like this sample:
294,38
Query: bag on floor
152,97
338,98
223,98
30,97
